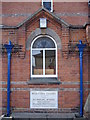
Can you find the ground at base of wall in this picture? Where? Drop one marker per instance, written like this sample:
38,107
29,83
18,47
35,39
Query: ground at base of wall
3,117
44,119
43,116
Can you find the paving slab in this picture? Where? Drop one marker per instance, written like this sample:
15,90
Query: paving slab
43,115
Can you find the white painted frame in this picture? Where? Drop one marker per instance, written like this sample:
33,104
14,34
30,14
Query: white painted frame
48,1
38,76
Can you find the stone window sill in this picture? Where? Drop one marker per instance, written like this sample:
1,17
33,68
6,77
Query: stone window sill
43,81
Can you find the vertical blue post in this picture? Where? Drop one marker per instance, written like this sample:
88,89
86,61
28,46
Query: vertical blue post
81,48
9,50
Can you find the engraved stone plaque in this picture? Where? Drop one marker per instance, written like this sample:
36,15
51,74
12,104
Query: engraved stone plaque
44,99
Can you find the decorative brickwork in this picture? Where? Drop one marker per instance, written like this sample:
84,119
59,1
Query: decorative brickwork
66,37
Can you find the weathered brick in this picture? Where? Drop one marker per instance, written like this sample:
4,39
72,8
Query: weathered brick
68,64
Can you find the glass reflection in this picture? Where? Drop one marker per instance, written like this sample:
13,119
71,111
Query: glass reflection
44,42
50,62
37,62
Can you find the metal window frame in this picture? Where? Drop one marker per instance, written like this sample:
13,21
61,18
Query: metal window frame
33,76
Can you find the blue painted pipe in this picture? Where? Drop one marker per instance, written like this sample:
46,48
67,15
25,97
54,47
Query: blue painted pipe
81,84
9,50
81,48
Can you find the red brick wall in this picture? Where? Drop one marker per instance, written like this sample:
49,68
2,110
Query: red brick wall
68,63
75,13
68,70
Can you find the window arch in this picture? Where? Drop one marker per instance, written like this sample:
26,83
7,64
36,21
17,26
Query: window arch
43,57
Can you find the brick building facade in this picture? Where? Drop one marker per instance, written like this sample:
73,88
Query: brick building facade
66,25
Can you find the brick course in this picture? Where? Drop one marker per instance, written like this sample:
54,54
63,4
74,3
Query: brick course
68,64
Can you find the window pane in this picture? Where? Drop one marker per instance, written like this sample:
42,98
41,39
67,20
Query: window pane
47,5
50,62
37,62
44,42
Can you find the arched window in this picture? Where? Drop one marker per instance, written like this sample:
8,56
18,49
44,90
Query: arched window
43,57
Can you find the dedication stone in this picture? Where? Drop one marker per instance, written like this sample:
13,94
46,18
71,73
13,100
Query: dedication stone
44,99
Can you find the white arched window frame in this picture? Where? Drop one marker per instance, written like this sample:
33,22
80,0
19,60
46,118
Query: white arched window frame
44,50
